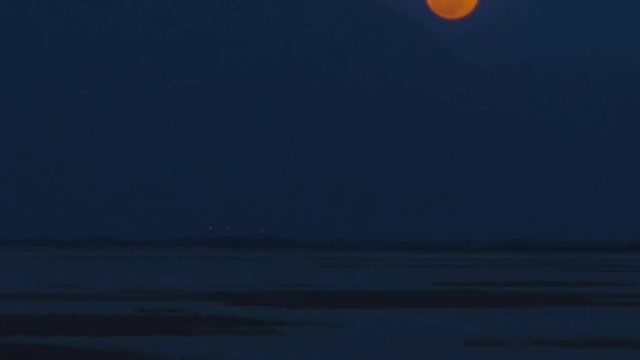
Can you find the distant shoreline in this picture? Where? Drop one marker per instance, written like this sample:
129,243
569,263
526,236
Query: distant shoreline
266,243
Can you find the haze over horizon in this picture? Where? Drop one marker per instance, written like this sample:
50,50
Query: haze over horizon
335,119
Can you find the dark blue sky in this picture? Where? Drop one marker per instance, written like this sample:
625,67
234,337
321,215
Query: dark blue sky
537,30
342,119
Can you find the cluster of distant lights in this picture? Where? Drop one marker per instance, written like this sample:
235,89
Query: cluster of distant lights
228,228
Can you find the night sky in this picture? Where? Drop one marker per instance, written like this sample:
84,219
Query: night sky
340,119
538,31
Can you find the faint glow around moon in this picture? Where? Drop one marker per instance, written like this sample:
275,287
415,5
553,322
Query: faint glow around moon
452,9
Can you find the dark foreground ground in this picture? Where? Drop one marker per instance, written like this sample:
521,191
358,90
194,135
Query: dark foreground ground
214,304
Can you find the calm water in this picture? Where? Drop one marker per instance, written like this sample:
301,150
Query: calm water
204,304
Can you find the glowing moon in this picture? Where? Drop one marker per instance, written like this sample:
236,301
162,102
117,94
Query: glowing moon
452,9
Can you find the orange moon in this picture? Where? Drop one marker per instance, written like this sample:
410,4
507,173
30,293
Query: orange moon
452,9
